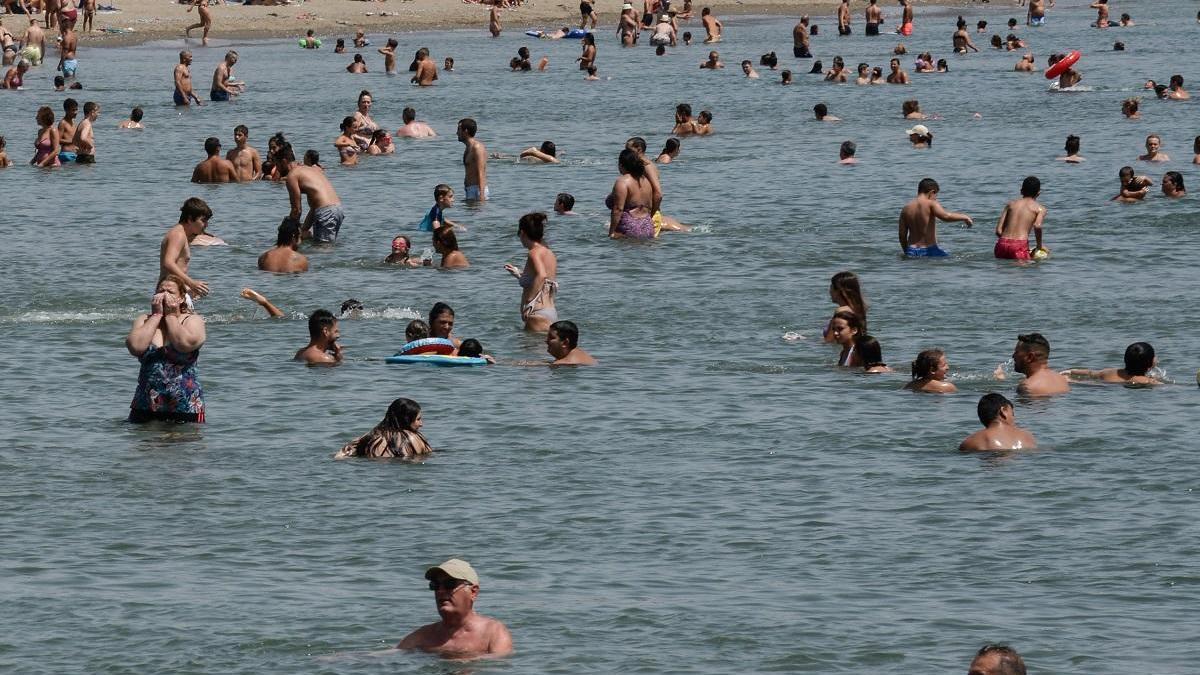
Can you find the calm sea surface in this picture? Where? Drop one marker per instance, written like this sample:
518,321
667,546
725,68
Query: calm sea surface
713,498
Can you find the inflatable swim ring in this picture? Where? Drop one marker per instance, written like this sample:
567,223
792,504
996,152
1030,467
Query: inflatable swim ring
436,360
303,42
1062,66
427,346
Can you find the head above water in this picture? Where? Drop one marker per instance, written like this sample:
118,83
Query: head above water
1072,146
441,320
990,406
1035,345
927,363
1139,358
1031,187
928,186
321,323
288,233
567,332
870,351
416,330
401,415
533,226
847,149
630,162
994,659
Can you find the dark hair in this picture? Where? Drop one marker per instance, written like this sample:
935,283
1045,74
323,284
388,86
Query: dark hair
659,50
532,225
136,114
870,351
468,125
1072,146
350,305
358,58
589,39
566,331
687,35
194,208
704,116
408,115
70,104
242,128
212,145
59,81
364,92
416,330
289,232
990,406
523,52
852,320
347,123
1035,343
1139,358
1118,46
470,348
1176,81
1010,660
400,415
820,110
849,148
566,199
319,321
910,106
312,158
1176,178
847,286
392,42
438,309
90,107
926,363
1031,186
672,145
1125,173
638,143
785,76
817,67
444,235
631,163
684,109
549,149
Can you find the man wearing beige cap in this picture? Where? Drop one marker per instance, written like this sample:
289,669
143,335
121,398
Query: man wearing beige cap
461,633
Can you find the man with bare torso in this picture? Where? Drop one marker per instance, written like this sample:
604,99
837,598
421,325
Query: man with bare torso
183,80
1101,7
412,128
843,17
214,169
325,214
1037,13
174,254
712,25
67,46
223,85
245,158
874,17
494,19
1000,430
33,43
474,161
800,39
461,633
84,139
918,222
66,131
284,258
1018,218
427,72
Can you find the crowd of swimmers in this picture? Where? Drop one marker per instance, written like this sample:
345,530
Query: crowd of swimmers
167,339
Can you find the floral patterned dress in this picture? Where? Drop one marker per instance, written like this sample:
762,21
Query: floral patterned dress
168,387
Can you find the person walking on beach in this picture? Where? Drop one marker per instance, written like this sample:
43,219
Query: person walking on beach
183,80
175,253
223,86
918,222
325,213
33,43
587,12
461,632
205,22
474,161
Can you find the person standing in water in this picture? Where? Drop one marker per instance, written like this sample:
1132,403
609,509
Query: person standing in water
1000,430
494,19
843,17
174,253
322,348
325,214
874,16
474,161
1018,218
562,342
167,343
85,138
539,278
246,160
461,632
183,81
918,222
284,257
1031,358
223,87
205,22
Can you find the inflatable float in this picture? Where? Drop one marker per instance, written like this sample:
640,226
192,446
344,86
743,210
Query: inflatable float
440,346
436,360
573,34
1062,66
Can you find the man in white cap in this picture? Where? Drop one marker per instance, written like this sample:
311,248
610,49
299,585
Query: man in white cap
461,633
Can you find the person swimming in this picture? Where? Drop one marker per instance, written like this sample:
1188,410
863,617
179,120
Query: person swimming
929,372
846,292
871,353
845,327
631,200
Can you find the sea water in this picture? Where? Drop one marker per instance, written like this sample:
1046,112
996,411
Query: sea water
713,498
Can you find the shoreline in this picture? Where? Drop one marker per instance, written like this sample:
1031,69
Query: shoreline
145,21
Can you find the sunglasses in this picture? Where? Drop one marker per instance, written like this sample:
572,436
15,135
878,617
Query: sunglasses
447,584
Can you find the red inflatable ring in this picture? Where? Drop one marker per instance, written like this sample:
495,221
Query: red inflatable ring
1062,66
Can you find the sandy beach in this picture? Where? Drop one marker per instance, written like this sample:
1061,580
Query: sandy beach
145,20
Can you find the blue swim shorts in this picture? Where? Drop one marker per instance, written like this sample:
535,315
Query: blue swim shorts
934,251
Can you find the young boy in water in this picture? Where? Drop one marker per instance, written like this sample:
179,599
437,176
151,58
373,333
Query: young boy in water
1020,216
563,204
1133,188
443,198
1000,430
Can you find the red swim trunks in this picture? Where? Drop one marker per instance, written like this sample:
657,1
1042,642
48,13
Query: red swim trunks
1012,249
906,29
